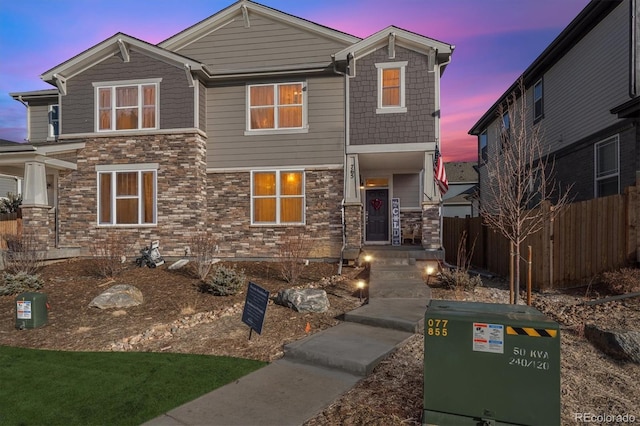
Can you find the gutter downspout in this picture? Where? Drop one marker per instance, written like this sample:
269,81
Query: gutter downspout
344,162
440,65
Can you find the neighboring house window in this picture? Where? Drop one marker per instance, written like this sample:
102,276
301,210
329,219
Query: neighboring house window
277,197
276,106
607,167
505,131
391,87
54,120
483,141
127,195
127,106
538,110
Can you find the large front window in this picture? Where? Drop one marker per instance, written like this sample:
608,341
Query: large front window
391,87
127,106
127,197
607,167
276,106
277,197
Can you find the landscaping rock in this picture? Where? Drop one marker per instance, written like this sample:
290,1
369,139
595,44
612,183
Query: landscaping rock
304,300
620,344
118,296
178,264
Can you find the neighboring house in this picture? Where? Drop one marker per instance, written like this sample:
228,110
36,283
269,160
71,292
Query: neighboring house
248,125
583,92
460,201
9,183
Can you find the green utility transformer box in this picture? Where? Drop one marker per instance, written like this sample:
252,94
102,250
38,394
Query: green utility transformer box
493,364
31,310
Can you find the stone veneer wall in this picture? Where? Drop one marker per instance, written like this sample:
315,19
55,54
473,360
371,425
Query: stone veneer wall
36,226
353,225
431,227
181,191
229,206
408,219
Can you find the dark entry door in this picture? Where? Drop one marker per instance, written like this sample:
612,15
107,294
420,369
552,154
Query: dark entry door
377,215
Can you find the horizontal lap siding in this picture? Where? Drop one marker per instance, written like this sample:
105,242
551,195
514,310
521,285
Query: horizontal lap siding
38,122
323,144
587,82
264,43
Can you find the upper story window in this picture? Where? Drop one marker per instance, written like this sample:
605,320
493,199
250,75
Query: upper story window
54,120
279,106
277,197
127,105
127,194
607,167
483,141
391,87
538,110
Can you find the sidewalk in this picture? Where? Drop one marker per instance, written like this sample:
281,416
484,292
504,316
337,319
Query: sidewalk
318,369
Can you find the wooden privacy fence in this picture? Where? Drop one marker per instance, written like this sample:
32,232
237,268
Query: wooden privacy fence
585,239
10,225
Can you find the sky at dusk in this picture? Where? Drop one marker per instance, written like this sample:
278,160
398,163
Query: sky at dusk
495,42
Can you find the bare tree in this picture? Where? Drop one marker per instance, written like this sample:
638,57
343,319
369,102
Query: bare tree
520,177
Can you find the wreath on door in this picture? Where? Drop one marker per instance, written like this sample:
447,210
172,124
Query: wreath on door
376,203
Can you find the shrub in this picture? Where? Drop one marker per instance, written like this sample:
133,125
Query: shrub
294,251
203,249
109,256
22,254
459,279
11,203
225,281
19,283
626,280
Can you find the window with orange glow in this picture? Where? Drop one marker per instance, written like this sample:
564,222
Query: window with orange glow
127,197
127,107
277,197
276,106
391,87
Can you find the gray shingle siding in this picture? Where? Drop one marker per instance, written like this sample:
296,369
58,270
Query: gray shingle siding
415,126
176,97
38,121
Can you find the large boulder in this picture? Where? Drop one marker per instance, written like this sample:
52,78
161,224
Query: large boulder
620,344
118,296
304,300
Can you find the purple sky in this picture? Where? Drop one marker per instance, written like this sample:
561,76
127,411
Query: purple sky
495,41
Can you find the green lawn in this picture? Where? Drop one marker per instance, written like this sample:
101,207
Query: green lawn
105,388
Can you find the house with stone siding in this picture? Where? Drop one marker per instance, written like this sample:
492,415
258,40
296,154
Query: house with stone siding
250,125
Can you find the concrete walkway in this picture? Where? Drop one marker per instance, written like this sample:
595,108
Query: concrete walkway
318,369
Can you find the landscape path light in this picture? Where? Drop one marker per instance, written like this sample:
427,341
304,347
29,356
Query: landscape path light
360,288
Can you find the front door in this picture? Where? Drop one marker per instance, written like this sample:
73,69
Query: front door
377,215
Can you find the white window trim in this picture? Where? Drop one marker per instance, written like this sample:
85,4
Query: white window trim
536,118
113,85
127,168
278,197
51,134
395,109
612,139
285,130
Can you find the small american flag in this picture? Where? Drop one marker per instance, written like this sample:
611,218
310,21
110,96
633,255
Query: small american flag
439,173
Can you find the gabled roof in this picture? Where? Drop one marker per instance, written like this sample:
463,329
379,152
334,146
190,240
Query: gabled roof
581,25
400,37
246,8
118,43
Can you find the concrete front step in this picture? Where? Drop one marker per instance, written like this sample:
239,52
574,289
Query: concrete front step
350,347
382,273
397,314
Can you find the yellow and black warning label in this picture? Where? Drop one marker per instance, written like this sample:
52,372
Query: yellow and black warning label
534,332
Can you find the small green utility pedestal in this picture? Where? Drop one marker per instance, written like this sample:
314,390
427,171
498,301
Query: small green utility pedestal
490,364
31,310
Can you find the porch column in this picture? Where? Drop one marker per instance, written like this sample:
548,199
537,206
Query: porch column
352,208
431,226
35,206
